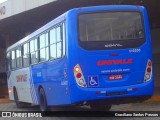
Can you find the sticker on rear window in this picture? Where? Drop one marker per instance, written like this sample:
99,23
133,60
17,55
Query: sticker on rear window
93,81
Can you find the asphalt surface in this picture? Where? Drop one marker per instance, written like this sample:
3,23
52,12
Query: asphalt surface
147,107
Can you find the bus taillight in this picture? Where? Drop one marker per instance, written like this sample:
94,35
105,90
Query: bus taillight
79,76
9,90
148,69
77,68
148,72
149,63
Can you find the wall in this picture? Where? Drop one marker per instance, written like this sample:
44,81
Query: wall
2,61
13,7
155,35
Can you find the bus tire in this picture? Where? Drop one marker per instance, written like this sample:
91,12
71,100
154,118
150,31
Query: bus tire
43,101
16,99
100,106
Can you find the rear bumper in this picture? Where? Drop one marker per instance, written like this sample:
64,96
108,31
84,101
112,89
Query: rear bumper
114,95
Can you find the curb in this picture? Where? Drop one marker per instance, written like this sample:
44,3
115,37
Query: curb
154,99
4,100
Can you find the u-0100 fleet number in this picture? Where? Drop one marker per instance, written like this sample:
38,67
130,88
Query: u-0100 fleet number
134,50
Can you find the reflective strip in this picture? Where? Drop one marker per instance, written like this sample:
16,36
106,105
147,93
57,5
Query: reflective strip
33,91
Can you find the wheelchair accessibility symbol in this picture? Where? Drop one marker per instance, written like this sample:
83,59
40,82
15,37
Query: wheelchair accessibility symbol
93,81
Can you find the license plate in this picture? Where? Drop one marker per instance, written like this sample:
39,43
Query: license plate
116,93
115,77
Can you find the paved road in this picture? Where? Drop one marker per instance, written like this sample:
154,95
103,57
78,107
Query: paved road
147,106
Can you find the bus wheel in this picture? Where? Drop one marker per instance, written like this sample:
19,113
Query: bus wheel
43,101
18,103
99,106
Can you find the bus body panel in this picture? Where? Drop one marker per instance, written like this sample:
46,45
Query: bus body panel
50,76
90,94
57,78
22,81
133,72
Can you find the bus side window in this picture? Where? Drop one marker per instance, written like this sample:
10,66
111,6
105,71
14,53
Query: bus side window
53,44
19,57
44,49
25,55
13,60
47,45
64,39
34,51
59,42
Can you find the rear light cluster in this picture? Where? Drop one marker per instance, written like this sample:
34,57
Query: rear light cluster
9,91
148,72
79,76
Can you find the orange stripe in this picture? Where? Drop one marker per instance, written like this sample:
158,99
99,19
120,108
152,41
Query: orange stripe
4,100
154,99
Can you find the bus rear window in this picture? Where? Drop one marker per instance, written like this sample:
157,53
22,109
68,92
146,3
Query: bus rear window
111,27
